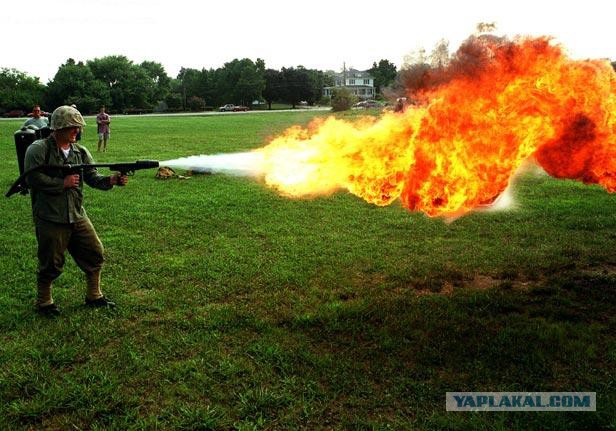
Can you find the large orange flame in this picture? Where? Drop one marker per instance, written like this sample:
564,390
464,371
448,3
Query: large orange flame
497,104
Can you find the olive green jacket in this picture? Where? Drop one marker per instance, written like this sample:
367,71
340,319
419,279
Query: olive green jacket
50,200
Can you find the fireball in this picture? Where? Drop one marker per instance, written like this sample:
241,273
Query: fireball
497,103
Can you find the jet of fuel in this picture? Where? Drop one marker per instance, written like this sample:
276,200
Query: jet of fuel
247,164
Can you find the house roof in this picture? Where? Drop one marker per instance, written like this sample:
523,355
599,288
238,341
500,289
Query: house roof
355,74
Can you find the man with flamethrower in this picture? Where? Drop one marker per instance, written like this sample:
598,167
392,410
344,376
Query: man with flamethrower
60,220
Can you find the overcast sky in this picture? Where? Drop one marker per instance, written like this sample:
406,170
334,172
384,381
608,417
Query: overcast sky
38,36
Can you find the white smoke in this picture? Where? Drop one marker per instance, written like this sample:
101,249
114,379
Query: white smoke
241,164
505,201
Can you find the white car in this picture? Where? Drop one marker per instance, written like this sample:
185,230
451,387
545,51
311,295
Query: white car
229,107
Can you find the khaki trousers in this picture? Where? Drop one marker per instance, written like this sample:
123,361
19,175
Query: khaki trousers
54,239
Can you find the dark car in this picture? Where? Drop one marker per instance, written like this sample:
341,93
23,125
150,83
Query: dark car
239,108
15,113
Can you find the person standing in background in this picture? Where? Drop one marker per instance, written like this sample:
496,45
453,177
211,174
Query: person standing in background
102,120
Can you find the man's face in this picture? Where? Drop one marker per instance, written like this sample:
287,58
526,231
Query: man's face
67,135
36,112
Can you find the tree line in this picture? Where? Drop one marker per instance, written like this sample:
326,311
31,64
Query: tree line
126,87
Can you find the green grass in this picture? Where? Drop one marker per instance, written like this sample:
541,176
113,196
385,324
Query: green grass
241,309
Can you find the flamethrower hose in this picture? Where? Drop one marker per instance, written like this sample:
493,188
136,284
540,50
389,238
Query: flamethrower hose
20,186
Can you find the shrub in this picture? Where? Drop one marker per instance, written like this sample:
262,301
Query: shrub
196,103
174,102
342,99
324,100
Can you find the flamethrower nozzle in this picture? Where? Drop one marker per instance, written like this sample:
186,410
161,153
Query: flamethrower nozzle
147,164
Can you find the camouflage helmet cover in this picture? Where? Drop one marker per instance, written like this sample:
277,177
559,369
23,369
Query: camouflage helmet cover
66,116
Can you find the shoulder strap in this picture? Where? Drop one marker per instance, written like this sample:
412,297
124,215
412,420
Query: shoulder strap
47,151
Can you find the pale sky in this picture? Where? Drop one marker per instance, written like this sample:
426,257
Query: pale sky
38,36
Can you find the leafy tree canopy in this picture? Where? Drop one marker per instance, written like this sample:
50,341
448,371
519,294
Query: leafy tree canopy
130,85
384,74
19,91
75,83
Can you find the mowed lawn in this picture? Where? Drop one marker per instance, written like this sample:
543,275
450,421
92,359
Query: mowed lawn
242,309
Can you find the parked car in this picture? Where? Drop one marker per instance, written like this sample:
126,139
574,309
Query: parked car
367,104
15,113
229,107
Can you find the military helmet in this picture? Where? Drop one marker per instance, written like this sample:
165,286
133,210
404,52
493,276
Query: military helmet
66,116
164,173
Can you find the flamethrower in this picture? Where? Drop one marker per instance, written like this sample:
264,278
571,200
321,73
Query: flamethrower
20,186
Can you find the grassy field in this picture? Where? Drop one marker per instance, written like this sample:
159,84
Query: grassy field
241,309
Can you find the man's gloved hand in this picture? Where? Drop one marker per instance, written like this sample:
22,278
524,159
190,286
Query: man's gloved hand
119,180
71,181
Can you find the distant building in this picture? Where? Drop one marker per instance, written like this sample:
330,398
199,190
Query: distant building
360,83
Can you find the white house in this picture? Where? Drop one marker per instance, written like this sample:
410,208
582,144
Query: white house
358,82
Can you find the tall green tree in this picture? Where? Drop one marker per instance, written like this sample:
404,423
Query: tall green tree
273,87
384,74
297,85
75,83
175,98
129,84
199,83
19,91
240,81
319,79
161,83
188,80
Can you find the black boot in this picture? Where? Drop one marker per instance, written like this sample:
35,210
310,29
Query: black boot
50,310
100,302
